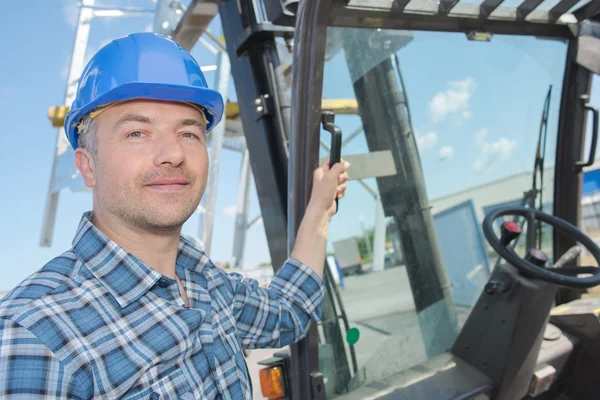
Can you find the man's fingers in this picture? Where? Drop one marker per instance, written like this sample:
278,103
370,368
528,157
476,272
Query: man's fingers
340,167
327,161
337,168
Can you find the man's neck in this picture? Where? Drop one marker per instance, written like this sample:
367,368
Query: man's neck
157,250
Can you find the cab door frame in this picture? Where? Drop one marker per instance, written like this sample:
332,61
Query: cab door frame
312,19
569,150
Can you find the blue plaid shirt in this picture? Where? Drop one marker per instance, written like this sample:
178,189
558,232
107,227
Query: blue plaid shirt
96,322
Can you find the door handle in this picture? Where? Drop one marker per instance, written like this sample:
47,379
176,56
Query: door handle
335,151
594,110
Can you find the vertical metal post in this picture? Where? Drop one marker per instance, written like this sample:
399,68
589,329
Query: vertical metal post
217,134
387,127
570,147
62,144
253,73
307,94
379,237
241,218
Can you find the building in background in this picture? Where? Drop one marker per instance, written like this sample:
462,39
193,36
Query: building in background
508,191
470,260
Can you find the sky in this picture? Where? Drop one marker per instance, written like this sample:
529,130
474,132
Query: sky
475,109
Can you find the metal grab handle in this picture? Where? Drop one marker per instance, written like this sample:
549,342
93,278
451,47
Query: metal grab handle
589,107
327,119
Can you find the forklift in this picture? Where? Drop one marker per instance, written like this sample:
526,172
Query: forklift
533,330
530,334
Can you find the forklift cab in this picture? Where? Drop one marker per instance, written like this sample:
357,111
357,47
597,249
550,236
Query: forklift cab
469,129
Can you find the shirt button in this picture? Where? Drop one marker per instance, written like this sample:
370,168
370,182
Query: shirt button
162,283
154,396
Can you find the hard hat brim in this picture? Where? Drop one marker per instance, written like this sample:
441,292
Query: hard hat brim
209,99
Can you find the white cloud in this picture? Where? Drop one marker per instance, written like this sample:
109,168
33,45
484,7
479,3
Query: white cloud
466,84
427,141
149,28
446,152
231,210
480,136
453,100
493,153
70,12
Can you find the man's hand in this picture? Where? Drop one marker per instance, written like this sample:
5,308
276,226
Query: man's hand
328,184
311,241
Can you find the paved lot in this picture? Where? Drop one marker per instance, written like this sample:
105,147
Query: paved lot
381,306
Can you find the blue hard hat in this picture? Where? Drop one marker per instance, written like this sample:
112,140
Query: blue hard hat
141,66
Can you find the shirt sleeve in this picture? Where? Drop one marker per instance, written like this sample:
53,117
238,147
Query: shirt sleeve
280,314
28,369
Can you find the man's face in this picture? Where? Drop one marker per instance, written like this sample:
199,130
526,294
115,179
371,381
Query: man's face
151,166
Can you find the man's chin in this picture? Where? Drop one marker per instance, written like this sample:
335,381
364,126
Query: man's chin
163,220
171,222
163,226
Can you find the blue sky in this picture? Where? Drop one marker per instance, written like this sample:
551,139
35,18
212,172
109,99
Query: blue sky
475,105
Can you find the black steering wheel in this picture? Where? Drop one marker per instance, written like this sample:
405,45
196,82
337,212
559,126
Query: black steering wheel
558,276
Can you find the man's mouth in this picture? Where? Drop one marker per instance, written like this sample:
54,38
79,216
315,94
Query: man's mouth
169,184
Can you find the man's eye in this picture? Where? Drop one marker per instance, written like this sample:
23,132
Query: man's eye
135,134
190,135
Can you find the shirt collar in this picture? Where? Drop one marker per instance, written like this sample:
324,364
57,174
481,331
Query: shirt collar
125,276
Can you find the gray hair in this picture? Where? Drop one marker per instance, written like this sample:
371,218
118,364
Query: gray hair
87,138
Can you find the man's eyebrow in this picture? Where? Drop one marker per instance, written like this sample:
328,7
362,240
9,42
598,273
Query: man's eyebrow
190,122
132,118
145,120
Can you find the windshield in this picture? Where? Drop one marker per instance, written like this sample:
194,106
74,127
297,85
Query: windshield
445,130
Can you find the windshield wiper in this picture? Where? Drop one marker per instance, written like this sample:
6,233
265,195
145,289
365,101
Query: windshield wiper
536,191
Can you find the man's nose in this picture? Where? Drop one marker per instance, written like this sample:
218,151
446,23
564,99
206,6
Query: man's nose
169,150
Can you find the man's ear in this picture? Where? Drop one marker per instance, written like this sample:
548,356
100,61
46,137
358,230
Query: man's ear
86,166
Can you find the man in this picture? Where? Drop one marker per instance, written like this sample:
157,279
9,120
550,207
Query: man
134,310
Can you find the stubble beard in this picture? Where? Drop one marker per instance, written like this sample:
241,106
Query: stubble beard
136,205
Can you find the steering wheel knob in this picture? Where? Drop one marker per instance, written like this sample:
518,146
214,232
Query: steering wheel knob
509,231
536,257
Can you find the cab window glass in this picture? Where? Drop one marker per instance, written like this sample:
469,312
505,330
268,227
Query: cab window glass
440,130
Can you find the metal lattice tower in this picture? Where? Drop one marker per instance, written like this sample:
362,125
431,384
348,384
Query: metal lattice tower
170,21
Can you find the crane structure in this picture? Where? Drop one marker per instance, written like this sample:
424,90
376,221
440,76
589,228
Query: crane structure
187,27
